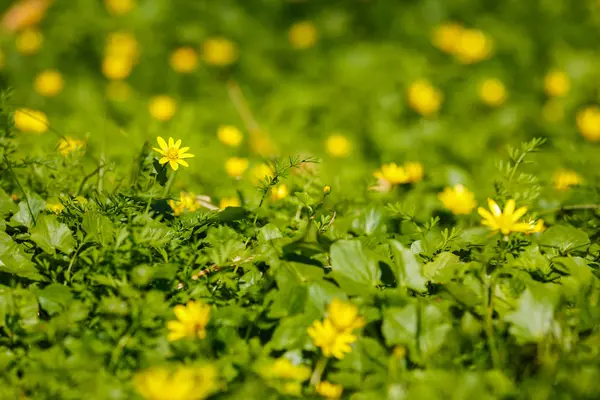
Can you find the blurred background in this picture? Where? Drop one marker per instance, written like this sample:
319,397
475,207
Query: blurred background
356,83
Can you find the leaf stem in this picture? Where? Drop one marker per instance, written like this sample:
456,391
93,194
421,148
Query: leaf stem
319,369
488,296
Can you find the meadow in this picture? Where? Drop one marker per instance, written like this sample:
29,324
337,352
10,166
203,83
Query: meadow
264,199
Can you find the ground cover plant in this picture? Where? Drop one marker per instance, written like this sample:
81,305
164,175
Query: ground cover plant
295,199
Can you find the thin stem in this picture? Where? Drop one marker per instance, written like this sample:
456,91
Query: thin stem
318,372
151,195
488,296
22,189
169,184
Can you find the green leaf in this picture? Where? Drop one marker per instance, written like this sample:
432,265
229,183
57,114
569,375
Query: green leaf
564,238
442,268
231,214
50,235
23,215
352,268
98,228
533,318
7,205
290,333
407,268
54,298
14,260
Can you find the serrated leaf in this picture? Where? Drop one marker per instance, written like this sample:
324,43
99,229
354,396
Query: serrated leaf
23,215
352,268
407,268
51,235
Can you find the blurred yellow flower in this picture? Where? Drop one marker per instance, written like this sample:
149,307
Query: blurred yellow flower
32,121
344,315
414,171
588,123
236,166
119,7
122,45
505,221
557,83
326,189
49,83
162,107
458,199
395,174
229,202
282,368
118,90
492,92
472,46
56,208
230,135
303,35
446,36
331,341
292,388
29,41
219,52
184,60
563,179
260,172
553,110
399,352
329,390
116,68
68,145
24,13
191,321
280,191
424,98
171,153
185,383
536,226
187,201
338,145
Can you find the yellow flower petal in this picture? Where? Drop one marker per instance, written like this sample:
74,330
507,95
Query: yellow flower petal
183,163
162,144
509,207
186,155
519,213
159,151
177,144
494,207
163,160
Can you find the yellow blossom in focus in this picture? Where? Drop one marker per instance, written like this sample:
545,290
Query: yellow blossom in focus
344,315
563,179
279,192
553,110
172,153
331,341
472,46
56,208
68,145
492,92
32,121
230,135
424,98
24,13
184,60
119,7
557,83
505,221
588,123
229,202
260,172
162,107
185,383
219,52
29,41
303,35
191,321
458,199
446,36
329,390
49,83
236,166
117,90
338,145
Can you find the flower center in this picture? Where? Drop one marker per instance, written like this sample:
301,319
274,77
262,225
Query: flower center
173,154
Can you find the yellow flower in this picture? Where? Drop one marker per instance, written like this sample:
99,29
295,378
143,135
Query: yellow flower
458,199
292,388
230,135
162,107
219,52
56,208
236,166
303,35
553,110
399,352
506,221
187,201
24,13
185,383
414,171
32,121
279,192
119,7
331,341
329,390
424,98
472,46
344,316
536,226
260,172
282,368
116,67
446,36
588,123
563,179
29,41
229,202
392,173
118,90
338,146
122,45
49,83
171,153
191,321
184,60
68,145
326,189
492,92
557,83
